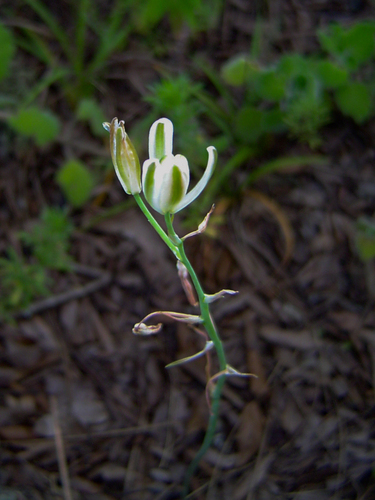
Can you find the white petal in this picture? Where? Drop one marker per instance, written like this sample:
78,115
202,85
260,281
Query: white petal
160,139
183,165
198,188
164,181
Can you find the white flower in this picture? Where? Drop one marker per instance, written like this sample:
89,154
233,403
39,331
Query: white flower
165,176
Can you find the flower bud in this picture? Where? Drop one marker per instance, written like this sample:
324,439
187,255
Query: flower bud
124,157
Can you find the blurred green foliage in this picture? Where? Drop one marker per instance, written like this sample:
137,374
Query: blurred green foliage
7,50
176,98
21,283
365,238
97,31
93,26
49,239
196,14
42,125
305,89
350,47
355,100
88,110
25,277
76,182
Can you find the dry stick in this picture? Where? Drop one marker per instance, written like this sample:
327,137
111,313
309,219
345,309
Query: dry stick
61,298
60,450
110,433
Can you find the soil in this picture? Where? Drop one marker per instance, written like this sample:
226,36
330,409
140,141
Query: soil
89,411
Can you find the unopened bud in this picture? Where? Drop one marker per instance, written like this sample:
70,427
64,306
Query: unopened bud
124,157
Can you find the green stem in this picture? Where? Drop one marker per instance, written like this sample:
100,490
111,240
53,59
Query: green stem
211,330
176,245
163,235
210,432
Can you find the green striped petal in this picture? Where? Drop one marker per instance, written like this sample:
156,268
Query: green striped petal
160,139
148,180
165,182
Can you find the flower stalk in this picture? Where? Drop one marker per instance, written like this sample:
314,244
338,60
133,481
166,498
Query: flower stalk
210,327
165,182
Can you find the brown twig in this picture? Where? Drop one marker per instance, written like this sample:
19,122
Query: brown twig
60,450
61,298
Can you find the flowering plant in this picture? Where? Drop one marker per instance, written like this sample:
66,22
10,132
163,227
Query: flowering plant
165,181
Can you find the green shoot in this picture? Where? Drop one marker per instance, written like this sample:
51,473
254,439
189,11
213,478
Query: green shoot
7,50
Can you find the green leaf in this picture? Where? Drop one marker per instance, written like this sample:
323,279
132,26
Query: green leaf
354,100
89,110
239,70
194,13
150,13
273,121
292,65
271,85
76,182
331,74
301,79
331,39
249,124
42,125
360,43
352,47
7,50
306,114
